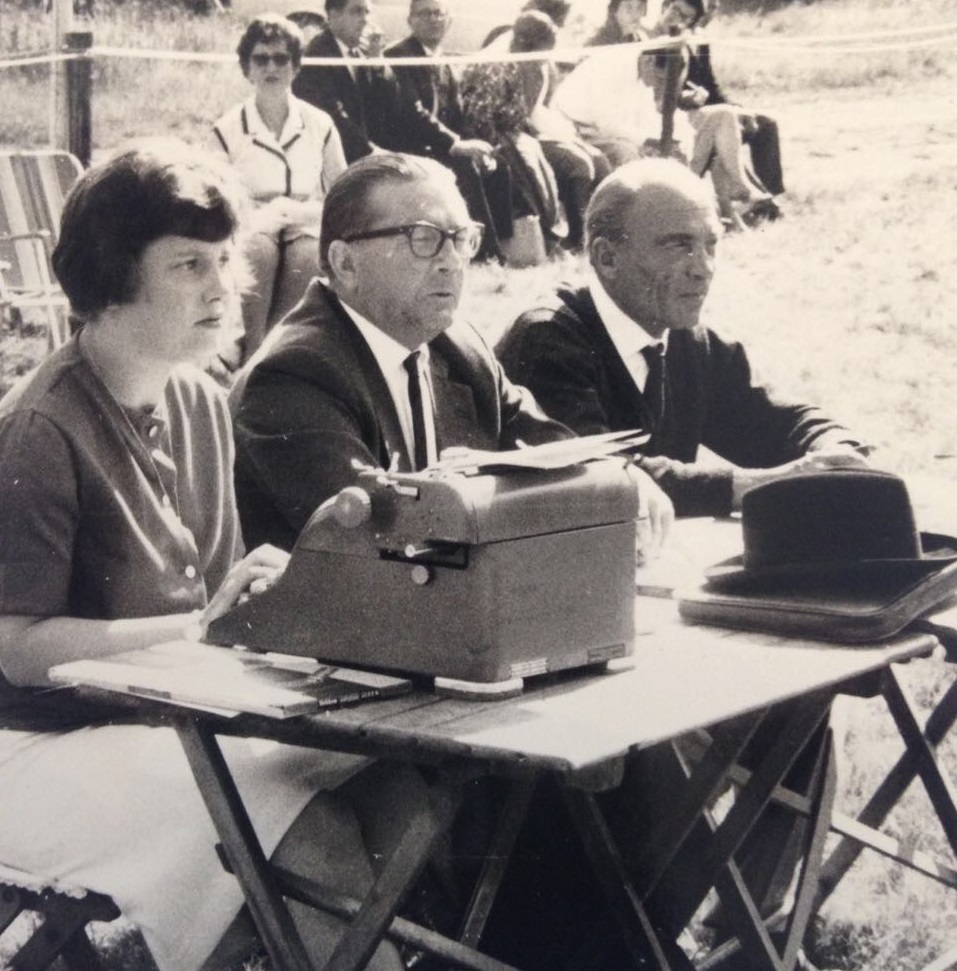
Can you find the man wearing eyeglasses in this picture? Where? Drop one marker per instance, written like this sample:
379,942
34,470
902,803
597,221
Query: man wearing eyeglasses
373,369
433,114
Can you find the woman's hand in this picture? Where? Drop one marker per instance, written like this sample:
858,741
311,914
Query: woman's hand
254,573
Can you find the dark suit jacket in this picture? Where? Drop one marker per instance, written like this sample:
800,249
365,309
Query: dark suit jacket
363,107
431,105
700,72
565,356
313,402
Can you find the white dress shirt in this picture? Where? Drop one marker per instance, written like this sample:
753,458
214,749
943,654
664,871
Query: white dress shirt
628,336
390,355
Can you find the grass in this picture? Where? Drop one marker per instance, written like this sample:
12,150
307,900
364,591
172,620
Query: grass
849,301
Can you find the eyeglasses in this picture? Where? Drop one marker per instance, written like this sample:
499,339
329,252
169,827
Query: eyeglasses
431,14
426,241
264,60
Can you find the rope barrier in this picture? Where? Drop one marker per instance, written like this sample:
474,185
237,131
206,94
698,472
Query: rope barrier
925,37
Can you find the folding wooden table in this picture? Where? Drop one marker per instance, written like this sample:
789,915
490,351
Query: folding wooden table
580,730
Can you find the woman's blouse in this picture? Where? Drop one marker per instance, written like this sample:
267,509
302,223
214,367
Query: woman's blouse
301,163
106,514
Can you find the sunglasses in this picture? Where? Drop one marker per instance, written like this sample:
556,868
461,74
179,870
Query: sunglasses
264,60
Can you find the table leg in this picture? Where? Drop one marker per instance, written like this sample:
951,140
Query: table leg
641,937
453,953
246,858
407,861
697,868
918,759
496,861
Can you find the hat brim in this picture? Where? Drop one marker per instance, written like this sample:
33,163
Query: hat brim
732,576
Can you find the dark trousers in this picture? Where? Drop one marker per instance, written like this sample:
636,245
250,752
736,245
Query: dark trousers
765,145
578,169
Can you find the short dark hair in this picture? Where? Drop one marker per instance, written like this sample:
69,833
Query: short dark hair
533,31
270,28
698,8
151,189
557,10
346,210
336,5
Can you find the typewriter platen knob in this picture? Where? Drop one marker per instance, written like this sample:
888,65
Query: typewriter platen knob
352,507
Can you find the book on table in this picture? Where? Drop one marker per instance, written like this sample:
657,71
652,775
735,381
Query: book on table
229,680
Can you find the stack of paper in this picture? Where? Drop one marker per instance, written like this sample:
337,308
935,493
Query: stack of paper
551,455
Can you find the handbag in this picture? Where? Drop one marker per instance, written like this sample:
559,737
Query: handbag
526,246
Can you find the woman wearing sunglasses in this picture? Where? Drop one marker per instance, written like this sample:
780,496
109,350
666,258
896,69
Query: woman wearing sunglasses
288,153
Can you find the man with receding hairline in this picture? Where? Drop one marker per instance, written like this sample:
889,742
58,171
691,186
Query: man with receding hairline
628,351
332,387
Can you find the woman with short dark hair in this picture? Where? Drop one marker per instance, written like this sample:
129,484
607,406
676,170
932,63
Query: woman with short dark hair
288,153
119,530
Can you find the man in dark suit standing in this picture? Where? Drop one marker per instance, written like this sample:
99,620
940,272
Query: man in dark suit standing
361,100
374,370
627,351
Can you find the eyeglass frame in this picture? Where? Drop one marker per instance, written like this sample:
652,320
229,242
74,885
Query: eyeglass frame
279,58
407,229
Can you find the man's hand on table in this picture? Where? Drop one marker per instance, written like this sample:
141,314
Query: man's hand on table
842,455
655,516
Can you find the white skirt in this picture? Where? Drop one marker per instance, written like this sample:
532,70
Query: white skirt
115,809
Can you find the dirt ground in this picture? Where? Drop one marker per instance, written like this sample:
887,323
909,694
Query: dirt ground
843,139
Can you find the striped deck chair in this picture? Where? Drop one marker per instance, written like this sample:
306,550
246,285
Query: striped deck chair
33,186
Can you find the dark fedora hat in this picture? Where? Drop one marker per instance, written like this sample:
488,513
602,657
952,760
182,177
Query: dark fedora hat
838,529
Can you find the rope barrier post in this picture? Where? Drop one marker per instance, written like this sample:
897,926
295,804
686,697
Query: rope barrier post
79,95
674,66
62,24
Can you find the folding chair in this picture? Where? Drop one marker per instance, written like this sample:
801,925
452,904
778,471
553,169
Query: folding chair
64,913
33,187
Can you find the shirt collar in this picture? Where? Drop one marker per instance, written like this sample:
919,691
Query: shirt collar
628,336
345,51
258,128
388,352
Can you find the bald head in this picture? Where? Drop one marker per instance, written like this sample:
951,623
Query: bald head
639,182
652,228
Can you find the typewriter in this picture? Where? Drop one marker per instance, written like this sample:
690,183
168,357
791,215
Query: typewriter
481,575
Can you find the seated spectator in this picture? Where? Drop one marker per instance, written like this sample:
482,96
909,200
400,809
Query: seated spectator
119,530
430,93
496,108
310,22
361,100
622,127
627,351
287,153
578,166
331,391
622,24
432,121
758,131
500,38
716,146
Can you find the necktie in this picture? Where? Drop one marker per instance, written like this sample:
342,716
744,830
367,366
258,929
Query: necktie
411,364
654,393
